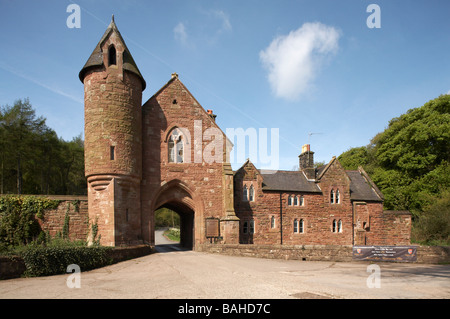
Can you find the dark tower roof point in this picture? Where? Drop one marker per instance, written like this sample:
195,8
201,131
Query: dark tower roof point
96,58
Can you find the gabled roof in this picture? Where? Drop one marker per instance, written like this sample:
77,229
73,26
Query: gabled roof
175,78
362,187
96,58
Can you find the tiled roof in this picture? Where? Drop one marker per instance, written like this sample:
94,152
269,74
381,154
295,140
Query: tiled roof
361,189
294,181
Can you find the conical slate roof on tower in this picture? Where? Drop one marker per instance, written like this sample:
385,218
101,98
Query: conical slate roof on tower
96,58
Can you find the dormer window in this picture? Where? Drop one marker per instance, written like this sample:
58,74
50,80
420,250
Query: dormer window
112,55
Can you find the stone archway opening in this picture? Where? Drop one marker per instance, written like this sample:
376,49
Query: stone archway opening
175,195
186,223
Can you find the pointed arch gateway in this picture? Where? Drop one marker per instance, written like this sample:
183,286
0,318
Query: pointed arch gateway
179,197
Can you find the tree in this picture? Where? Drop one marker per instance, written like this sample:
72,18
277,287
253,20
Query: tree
21,127
33,159
409,160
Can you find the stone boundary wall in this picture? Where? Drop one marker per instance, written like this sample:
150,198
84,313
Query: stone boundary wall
287,252
76,207
425,254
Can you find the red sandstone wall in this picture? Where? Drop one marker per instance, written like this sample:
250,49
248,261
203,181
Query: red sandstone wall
173,106
77,210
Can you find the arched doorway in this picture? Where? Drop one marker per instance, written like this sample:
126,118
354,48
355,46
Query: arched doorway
177,196
186,223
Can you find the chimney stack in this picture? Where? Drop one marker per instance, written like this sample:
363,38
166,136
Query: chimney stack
212,115
306,162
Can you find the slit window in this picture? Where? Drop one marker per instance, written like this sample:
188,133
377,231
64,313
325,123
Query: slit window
112,151
111,55
272,222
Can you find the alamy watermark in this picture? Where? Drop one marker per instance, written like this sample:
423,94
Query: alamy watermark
213,146
374,279
74,19
374,20
74,280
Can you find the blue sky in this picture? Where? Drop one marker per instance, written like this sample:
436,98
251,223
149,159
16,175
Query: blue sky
299,66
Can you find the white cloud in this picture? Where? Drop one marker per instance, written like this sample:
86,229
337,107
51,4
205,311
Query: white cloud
293,60
180,33
226,25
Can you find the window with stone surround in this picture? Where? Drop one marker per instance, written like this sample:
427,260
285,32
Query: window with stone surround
272,222
302,201
245,193
295,225
290,200
337,226
301,228
176,146
335,197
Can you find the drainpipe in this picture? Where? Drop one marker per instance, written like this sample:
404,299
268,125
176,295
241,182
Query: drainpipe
281,219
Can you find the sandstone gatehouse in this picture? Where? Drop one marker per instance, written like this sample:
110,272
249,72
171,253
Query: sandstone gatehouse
141,157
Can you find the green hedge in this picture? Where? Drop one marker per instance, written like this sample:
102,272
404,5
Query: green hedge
46,261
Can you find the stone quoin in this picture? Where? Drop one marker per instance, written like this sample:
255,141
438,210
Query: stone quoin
141,157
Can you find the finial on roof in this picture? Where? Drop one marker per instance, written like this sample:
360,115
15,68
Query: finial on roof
174,75
112,18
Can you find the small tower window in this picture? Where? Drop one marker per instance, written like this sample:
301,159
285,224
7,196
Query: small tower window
112,151
111,55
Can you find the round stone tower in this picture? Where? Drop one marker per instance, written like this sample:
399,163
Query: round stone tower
113,89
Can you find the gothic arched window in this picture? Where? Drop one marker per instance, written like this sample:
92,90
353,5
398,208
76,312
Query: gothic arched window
245,193
176,145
